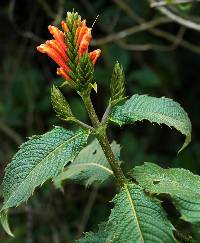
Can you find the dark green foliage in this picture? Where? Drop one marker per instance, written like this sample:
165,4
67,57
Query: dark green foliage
25,108
90,166
136,217
41,158
160,110
180,184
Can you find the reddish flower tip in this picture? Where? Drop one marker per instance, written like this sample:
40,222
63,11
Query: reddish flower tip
64,26
94,55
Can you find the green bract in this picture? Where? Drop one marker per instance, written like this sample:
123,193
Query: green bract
117,84
60,104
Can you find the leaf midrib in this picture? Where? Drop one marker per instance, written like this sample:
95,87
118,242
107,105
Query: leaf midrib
38,164
69,175
94,164
133,210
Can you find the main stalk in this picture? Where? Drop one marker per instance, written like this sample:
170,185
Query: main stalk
103,140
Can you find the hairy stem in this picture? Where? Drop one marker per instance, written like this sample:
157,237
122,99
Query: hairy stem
103,140
91,111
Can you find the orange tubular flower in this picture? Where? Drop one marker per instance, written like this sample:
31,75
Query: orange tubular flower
57,48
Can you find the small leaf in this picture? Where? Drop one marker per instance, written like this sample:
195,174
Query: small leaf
4,222
117,84
180,184
90,165
159,110
39,159
136,217
60,104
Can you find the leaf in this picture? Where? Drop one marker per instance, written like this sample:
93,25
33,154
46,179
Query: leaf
39,159
4,222
89,166
182,185
159,110
136,217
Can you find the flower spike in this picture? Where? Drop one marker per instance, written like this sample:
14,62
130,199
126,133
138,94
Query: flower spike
69,47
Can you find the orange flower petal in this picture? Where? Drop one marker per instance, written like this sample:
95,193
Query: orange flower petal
57,48
61,72
51,52
55,45
58,35
83,47
64,26
81,30
94,55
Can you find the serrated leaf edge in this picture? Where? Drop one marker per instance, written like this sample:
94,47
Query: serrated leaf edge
24,181
188,135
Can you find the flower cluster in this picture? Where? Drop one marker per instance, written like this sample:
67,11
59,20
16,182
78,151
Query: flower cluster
58,48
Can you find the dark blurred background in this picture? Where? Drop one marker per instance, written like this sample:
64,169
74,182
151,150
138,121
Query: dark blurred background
161,60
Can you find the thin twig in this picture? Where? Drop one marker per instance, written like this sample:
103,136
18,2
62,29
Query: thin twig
126,8
26,34
164,3
87,211
178,19
149,46
157,32
170,37
11,133
129,31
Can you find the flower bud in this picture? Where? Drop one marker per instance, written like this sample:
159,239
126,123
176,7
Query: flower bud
60,104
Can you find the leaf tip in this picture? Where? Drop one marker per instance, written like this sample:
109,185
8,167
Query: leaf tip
4,222
187,141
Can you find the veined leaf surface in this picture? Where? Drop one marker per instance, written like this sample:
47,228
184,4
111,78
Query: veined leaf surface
39,159
89,166
159,110
136,217
182,185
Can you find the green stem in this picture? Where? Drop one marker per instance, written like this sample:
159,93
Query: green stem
91,112
103,140
83,125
